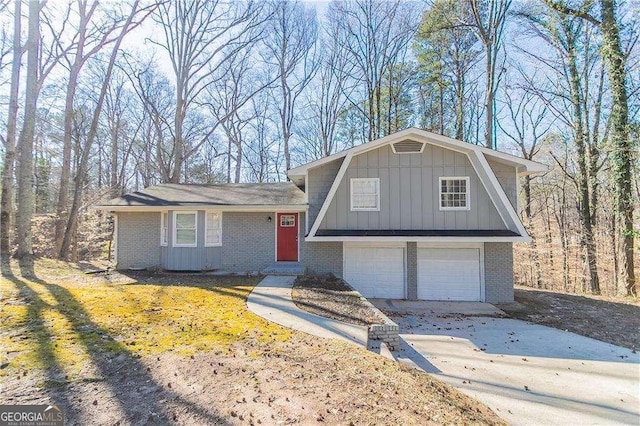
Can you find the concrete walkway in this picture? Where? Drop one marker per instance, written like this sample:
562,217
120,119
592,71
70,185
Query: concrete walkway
271,299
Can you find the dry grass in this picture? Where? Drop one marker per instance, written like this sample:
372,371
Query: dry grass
183,349
614,320
330,297
75,312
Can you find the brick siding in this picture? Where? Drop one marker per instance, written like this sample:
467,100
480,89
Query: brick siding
412,271
498,271
138,240
248,241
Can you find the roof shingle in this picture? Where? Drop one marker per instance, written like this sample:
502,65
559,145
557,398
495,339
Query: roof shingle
226,194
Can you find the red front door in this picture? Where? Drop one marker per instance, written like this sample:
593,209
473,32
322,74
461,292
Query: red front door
287,233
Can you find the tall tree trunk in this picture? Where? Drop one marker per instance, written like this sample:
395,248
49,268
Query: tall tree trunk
239,154
27,136
178,139
62,207
113,172
93,131
460,106
585,207
623,149
622,146
6,204
65,172
489,98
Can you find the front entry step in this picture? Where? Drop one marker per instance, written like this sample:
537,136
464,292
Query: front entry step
284,268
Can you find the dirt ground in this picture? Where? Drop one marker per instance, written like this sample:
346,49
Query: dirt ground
330,297
149,349
611,320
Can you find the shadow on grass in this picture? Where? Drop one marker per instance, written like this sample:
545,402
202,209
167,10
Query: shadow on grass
232,286
107,357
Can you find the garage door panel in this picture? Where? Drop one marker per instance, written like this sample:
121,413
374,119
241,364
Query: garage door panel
375,271
449,274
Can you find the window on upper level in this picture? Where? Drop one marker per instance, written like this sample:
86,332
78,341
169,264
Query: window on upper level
365,194
454,193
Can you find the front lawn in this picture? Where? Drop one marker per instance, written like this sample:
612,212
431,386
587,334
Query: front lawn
176,348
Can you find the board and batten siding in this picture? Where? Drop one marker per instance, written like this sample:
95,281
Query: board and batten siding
318,186
506,175
198,258
409,196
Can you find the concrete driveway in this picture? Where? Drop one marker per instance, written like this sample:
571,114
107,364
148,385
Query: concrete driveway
527,373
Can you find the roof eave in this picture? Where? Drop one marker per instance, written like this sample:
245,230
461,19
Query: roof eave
218,207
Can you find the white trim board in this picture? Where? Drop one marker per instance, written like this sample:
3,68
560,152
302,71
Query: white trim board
494,186
332,192
419,239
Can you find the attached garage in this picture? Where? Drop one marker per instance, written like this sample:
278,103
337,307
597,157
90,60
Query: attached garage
376,271
450,273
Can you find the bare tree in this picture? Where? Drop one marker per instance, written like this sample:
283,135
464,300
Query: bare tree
528,126
199,37
157,99
136,16
290,42
262,153
579,106
328,95
239,80
489,19
96,29
376,34
6,204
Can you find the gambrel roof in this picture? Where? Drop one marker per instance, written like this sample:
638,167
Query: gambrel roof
525,167
477,156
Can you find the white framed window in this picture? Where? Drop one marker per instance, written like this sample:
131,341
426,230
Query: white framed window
454,193
365,194
185,229
164,228
213,229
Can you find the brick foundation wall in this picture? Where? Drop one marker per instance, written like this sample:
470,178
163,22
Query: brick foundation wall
498,272
322,257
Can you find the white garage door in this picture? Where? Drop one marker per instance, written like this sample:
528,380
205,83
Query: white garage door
449,274
375,271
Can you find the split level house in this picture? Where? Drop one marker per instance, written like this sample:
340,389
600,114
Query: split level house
413,215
